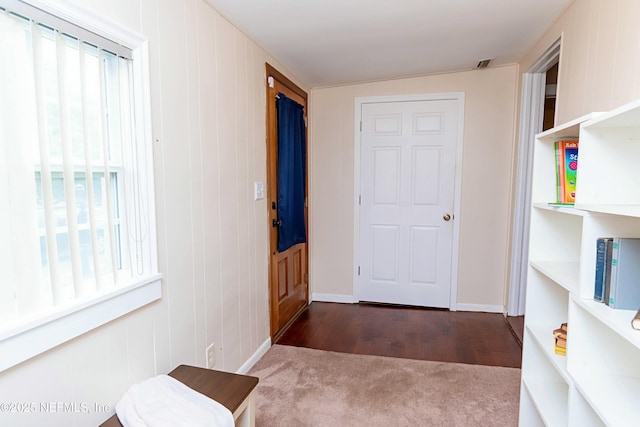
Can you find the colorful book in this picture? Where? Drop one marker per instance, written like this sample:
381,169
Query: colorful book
625,274
570,170
566,153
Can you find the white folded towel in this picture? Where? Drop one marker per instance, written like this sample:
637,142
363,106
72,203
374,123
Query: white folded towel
164,401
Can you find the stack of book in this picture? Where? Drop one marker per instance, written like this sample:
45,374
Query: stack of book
566,153
618,272
560,335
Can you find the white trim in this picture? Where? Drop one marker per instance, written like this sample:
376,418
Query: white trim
39,335
455,248
261,351
339,298
485,308
532,109
79,17
30,340
531,118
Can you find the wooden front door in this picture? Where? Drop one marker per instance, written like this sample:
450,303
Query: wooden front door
288,270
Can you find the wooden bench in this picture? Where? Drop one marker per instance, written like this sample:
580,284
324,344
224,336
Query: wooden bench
233,391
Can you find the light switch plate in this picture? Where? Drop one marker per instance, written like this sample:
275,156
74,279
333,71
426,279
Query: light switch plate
258,190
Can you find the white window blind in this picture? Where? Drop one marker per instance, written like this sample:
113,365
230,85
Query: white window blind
76,207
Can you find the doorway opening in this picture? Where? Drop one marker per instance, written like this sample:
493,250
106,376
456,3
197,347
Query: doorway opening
550,91
537,113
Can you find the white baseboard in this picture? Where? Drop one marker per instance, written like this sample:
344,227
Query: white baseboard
256,356
350,299
480,307
345,299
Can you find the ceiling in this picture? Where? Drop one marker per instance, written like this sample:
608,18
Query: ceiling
335,42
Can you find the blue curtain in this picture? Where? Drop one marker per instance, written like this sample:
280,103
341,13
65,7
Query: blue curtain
292,160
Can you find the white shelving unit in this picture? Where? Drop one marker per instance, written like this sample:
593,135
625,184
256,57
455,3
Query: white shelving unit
598,382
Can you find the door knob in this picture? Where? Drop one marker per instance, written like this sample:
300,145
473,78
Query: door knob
276,223
446,217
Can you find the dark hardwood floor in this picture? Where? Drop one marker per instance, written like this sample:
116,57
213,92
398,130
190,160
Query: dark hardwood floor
406,332
517,326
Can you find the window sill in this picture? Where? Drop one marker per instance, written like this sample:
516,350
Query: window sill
24,342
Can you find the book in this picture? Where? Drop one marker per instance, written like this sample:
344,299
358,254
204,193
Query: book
598,292
559,169
570,170
560,336
607,270
566,158
635,322
624,290
560,205
603,265
560,333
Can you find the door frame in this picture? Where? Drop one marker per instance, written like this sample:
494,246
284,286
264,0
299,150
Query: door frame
271,144
455,247
531,118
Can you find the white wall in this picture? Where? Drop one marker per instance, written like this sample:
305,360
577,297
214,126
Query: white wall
208,112
490,98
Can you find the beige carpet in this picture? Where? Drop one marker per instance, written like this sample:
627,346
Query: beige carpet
306,387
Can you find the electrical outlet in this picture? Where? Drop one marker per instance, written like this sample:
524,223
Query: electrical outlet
211,356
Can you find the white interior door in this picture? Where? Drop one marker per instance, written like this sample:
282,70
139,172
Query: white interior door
408,156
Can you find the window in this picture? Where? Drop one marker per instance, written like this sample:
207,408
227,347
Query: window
78,236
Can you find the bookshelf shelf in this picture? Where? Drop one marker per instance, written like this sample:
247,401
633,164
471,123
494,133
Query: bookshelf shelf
597,382
582,413
548,398
569,130
609,395
567,210
622,210
544,339
618,321
565,274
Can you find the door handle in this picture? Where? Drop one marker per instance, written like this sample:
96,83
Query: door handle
276,223
446,217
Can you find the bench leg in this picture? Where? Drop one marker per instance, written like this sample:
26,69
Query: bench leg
245,415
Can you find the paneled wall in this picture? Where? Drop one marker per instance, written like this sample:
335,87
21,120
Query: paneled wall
208,119
599,59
